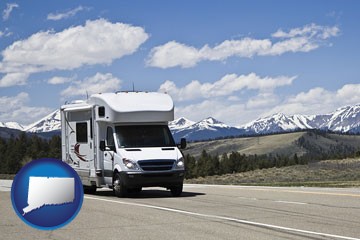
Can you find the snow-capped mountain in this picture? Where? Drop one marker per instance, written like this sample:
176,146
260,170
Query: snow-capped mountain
180,123
208,128
49,123
345,119
12,125
278,123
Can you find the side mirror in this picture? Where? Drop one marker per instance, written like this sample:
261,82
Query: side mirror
183,143
111,148
102,145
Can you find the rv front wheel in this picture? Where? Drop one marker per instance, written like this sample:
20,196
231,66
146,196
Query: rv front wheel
176,191
118,186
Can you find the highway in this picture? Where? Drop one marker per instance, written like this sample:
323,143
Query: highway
203,212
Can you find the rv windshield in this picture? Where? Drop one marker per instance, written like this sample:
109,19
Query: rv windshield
136,136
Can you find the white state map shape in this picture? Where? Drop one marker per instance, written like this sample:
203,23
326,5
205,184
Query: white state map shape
49,191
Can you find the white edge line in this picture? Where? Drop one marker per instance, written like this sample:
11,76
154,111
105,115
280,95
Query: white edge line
226,218
299,203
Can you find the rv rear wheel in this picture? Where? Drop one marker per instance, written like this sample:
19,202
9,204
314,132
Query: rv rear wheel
89,189
176,191
118,187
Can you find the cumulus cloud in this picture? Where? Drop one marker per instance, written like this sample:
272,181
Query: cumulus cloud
262,100
209,107
7,11
12,79
173,54
303,39
97,42
65,15
309,31
96,84
318,100
226,86
59,80
15,108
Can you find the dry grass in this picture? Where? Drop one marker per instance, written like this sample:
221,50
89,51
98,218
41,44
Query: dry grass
282,144
7,176
330,173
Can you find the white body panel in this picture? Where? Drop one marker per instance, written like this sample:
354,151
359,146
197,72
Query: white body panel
134,107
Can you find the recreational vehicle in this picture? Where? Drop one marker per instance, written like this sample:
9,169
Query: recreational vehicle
122,141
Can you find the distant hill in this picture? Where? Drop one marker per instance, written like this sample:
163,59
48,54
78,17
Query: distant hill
286,144
7,133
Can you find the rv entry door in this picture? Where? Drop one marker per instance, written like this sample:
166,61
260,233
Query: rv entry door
81,140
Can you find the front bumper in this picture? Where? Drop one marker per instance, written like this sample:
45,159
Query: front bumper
153,179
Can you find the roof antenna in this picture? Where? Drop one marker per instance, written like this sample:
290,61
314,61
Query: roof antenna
87,95
133,87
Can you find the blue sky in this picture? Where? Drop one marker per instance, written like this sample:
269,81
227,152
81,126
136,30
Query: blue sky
232,60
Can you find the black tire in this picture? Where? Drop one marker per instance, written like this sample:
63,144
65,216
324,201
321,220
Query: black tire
135,190
119,188
176,191
89,189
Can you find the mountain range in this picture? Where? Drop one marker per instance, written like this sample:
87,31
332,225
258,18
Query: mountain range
343,120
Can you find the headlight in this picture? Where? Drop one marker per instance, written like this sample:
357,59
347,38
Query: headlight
130,164
180,163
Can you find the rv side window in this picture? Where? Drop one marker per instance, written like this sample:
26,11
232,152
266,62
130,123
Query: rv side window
101,111
81,132
110,137
91,129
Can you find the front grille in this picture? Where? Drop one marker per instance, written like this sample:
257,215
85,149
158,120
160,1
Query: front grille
156,165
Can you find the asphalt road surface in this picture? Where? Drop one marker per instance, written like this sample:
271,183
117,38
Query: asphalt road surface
203,212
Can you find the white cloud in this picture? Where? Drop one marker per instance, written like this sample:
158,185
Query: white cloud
226,86
5,33
297,44
309,31
349,93
12,79
8,103
231,113
314,95
246,47
96,84
7,11
262,100
97,42
15,109
59,80
318,101
173,54
214,108
303,39
65,15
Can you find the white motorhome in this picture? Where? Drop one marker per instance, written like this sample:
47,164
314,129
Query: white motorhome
122,141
